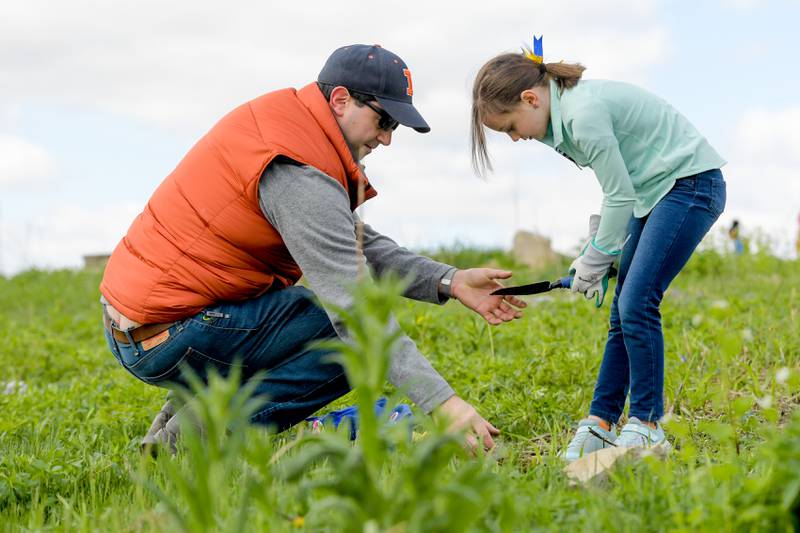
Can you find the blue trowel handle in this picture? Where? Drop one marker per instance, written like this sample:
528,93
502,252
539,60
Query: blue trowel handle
563,283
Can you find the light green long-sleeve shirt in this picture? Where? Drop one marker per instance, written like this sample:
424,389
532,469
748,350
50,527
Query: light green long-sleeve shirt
636,143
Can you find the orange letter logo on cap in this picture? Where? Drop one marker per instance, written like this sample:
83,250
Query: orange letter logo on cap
410,88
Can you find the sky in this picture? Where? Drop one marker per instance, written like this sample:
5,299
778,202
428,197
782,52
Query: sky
99,101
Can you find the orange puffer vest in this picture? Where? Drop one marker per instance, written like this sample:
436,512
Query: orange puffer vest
202,237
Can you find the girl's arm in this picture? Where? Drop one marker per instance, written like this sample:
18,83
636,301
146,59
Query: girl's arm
594,136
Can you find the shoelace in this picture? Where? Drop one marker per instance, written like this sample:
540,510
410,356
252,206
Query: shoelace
601,437
645,441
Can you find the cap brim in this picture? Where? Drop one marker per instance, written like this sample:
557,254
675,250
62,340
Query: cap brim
405,114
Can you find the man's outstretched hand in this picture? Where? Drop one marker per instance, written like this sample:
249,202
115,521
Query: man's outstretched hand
462,416
473,287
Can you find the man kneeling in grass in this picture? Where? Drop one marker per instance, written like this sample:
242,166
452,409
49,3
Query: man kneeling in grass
206,275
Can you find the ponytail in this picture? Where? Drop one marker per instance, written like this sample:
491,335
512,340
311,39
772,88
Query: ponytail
566,75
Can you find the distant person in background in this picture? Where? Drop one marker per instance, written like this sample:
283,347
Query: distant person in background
733,233
662,191
206,275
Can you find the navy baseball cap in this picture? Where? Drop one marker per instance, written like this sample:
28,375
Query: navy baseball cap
378,72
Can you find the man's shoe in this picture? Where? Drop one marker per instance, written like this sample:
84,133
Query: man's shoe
637,434
589,438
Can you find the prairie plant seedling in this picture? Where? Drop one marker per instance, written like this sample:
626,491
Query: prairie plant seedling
385,479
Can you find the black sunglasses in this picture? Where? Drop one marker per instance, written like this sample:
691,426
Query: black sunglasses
385,122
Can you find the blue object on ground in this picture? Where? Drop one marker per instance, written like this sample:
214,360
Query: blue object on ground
350,415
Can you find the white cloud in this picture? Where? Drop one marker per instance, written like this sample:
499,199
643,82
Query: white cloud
434,197
763,185
181,65
22,162
61,237
770,135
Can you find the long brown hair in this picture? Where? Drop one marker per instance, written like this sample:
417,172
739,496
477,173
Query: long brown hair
498,86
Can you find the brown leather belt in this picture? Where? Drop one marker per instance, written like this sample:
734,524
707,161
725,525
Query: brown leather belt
142,333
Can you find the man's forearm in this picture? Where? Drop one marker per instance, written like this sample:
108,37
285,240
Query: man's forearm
384,255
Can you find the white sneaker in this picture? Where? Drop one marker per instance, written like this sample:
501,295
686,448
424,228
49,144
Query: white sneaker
637,434
589,438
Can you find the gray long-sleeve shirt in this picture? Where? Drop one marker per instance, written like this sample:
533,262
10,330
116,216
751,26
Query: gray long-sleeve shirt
311,211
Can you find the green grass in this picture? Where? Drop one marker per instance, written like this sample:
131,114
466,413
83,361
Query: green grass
68,444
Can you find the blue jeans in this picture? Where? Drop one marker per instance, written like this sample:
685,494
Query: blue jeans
659,246
270,333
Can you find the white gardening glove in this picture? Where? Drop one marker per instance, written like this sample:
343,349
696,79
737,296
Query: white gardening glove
590,273
594,225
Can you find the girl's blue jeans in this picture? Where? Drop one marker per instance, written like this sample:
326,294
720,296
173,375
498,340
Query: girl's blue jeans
659,246
274,333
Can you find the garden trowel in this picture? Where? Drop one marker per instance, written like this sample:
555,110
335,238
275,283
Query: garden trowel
542,286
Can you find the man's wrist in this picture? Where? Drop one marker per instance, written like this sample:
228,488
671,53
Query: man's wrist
446,283
442,408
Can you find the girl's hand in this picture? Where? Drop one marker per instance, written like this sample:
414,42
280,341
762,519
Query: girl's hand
473,288
590,273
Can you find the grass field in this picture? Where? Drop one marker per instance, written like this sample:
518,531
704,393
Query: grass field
72,418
